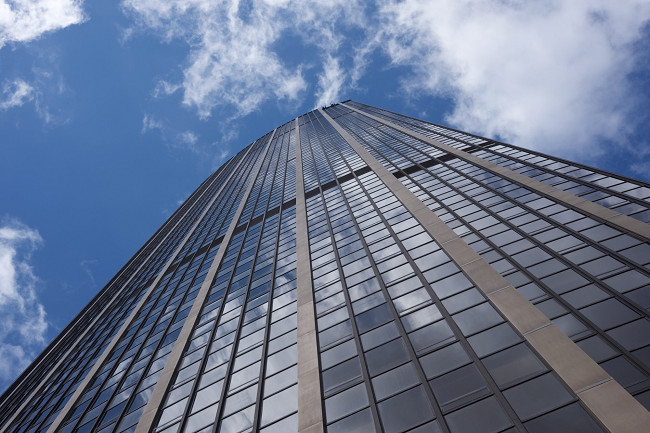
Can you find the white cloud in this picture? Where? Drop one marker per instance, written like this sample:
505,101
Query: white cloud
188,137
233,60
22,317
16,93
27,20
149,123
330,83
550,75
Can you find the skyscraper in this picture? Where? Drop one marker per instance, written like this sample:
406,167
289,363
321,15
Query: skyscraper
357,270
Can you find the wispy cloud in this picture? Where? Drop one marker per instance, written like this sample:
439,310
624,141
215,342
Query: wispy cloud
16,93
233,60
150,122
86,266
330,82
27,20
551,75
22,317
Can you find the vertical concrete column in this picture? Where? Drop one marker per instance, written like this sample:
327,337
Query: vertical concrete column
160,390
310,408
116,338
614,407
572,201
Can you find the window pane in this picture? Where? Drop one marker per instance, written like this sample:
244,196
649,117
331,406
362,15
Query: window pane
486,416
394,381
536,396
346,402
459,387
432,336
477,319
360,422
279,405
513,365
341,376
386,357
444,360
493,339
569,419
405,410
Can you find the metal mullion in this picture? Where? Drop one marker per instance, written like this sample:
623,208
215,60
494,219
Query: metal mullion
132,262
268,170
524,270
496,392
265,342
147,292
171,322
597,245
59,388
79,362
524,235
235,344
458,334
484,370
156,249
631,304
492,141
263,177
204,359
628,225
563,176
355,332
267,326
149,363
396,318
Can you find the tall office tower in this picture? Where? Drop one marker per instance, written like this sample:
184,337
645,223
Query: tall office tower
356,270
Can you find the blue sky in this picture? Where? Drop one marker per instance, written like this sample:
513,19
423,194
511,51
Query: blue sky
112,112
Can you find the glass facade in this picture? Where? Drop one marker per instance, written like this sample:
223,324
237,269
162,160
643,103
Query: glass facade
201,331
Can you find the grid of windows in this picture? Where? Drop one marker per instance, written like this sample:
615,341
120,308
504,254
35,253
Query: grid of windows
43,409
394,315
238,368
624,195
404,341
573,274
117,396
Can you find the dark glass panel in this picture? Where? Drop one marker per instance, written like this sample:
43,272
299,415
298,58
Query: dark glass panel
569,419
405,410
444,360
459,387
395,381
379,336
360,422
513,365
346,402
386,357
537,396
596,348
493,339
609,313
341,376
477,319
485,416
432,336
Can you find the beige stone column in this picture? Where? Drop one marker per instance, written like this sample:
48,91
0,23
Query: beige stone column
310,407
